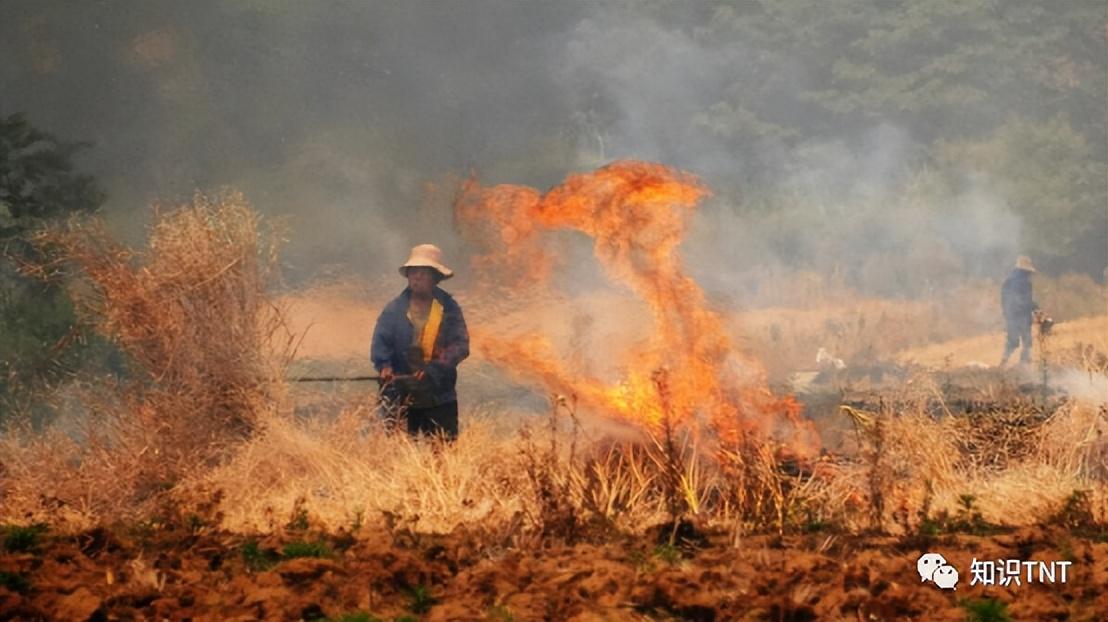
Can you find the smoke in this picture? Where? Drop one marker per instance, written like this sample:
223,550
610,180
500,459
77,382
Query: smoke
848,207
335,117
638,89
1084,386
338,117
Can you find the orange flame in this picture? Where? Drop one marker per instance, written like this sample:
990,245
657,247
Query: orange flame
637,214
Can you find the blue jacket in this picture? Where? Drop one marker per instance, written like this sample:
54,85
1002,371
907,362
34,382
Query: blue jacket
392,337
1015,297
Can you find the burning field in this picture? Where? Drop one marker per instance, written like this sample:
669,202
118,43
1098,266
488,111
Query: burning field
633,450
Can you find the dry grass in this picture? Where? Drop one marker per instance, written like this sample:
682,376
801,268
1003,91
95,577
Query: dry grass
204,424
352,469
914,468
959,326
541,482
1077,344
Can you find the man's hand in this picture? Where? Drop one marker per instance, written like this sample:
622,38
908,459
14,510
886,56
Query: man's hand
386,375
419,375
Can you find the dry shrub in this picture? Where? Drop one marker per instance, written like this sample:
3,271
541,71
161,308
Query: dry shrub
679,477
191,314
687,478
617,486
550,475
41,482
1069,456
906,461
756,493
1013,471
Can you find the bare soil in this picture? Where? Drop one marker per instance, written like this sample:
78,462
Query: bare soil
175,574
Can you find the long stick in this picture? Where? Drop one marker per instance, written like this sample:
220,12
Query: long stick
335,378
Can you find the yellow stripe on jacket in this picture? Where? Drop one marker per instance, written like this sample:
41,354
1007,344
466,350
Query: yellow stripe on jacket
430,331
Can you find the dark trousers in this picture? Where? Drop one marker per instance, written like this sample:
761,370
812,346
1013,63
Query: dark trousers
1019,332
441,419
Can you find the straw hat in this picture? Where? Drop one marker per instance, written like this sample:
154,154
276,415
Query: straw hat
426,256
1024,263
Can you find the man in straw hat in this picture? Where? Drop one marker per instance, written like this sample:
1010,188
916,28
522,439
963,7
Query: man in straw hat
419,340
1015,299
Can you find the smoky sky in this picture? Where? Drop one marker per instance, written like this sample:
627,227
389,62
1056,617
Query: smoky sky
345,117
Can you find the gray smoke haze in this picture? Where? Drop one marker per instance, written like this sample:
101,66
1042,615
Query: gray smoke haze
339,115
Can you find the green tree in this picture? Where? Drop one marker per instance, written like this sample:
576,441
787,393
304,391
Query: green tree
1046,174
38,183
1007,95
37,178
938,68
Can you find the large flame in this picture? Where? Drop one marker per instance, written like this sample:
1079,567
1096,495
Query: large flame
637,213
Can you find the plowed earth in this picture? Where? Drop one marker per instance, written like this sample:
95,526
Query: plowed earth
177,575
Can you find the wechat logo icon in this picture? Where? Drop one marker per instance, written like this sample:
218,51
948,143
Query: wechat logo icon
934,568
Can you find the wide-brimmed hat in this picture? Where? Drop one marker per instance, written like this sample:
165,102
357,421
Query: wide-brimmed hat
1023,262
426,256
